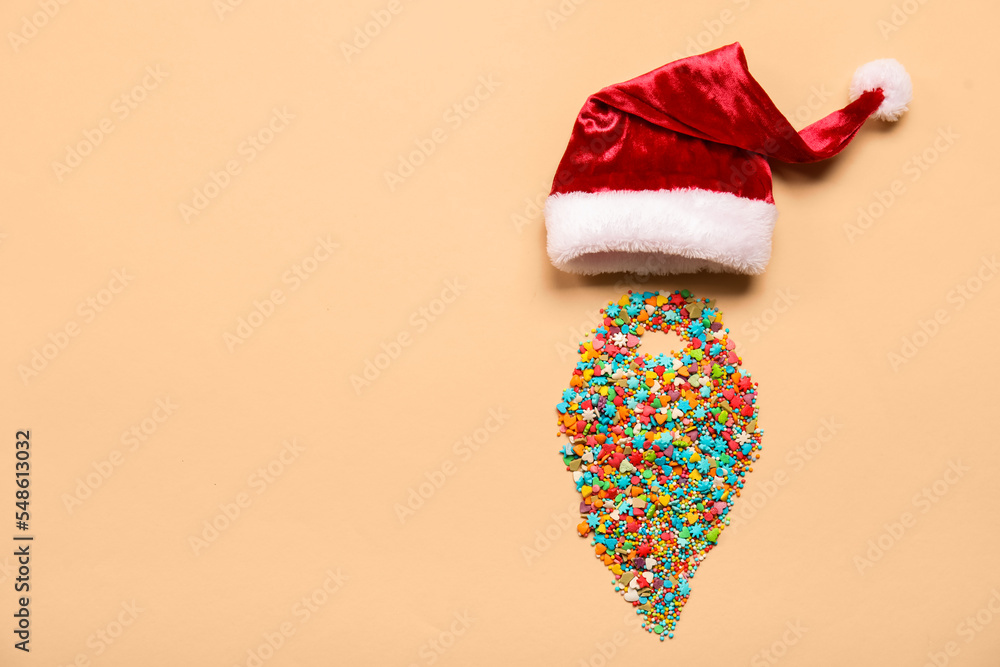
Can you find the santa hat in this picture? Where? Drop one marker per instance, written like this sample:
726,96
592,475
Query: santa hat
668,173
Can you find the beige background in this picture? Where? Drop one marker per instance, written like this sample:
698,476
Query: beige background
488,546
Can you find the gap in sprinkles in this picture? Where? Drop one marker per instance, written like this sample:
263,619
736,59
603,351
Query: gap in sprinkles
667,343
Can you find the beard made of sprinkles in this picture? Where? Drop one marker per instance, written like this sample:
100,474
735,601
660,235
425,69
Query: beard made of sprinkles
659,445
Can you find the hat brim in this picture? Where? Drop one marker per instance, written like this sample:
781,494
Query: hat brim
658,232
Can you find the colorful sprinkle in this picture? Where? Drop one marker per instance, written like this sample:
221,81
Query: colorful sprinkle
658,446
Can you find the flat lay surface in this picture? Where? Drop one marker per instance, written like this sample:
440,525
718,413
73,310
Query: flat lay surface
286,346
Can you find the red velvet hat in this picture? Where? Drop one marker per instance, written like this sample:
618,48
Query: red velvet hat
668,173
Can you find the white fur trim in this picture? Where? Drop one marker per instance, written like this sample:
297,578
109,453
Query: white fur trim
658,231
895,83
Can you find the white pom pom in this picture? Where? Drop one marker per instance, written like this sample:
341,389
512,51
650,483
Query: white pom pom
895,83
